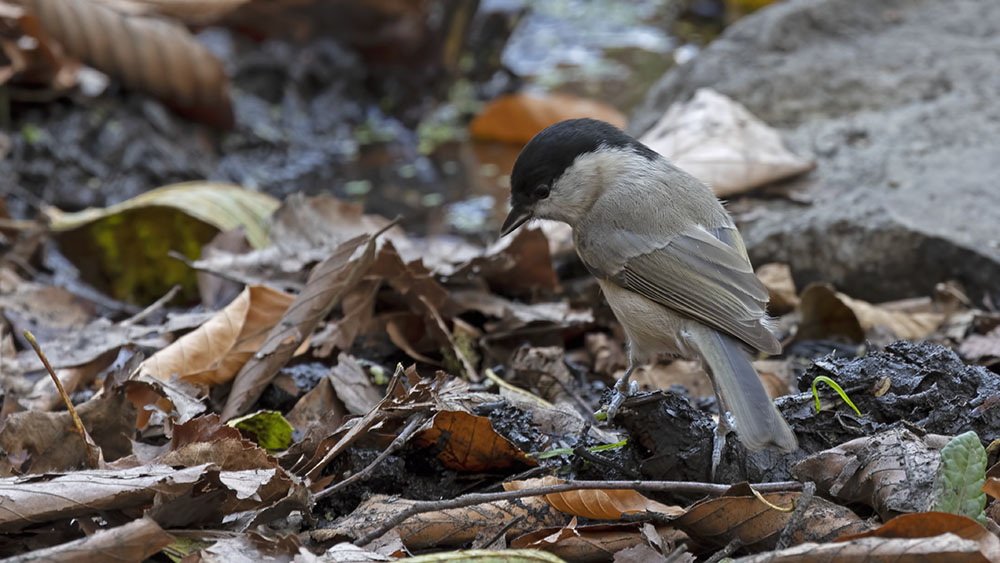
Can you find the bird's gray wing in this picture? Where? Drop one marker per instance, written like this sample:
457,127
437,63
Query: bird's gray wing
694,273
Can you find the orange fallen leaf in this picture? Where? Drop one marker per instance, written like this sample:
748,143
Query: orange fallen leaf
516,118
604,504
215,351
467,442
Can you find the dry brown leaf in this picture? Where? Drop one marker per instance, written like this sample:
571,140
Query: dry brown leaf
827,313
518,266
946,548
37,442
722,144
50,497
216,351
318,402
893,472
191,12
150,54
135,541
930,524
740,515
353,386
328,282
606,353
445,528
777,278
358,307
980,347
687,373
516,118
585,543
604,504
466,442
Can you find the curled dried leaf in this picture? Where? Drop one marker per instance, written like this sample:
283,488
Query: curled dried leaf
605,504
151,54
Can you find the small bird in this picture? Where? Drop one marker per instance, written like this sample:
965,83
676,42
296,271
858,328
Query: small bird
668,258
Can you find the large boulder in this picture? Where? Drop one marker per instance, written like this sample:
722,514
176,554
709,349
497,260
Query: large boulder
898,101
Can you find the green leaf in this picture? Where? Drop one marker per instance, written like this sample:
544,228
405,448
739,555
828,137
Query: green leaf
268,428
961,477
124,248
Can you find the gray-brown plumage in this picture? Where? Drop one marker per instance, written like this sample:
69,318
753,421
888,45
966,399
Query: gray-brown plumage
668,258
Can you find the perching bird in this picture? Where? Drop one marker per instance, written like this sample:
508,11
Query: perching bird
668,259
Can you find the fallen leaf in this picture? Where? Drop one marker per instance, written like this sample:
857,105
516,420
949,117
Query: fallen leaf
268,429
215,352
44,498
582,543
466,442
516,118
777,278
721,143
128,243
741,515
603,504
135,541
980,347
893,472
946,548
444,528
353,386
151,54
827,313
328,282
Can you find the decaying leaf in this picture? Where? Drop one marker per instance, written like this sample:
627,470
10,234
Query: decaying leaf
466,442
827,313
135,541
328,283
444,528
147,53
740,515
573,542
981,347
936,524
215,351
129,243
893,472
777,278
516,118
722,144
604,504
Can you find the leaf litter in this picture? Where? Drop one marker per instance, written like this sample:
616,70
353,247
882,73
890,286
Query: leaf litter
422,379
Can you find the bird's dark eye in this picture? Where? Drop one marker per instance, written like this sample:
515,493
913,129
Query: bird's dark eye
541,191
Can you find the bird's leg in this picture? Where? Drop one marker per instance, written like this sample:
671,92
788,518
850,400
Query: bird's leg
624,388
721,430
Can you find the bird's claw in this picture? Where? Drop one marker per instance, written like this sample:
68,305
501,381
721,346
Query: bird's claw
623,389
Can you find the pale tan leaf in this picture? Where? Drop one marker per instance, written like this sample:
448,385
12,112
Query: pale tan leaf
134,541
777,278
722,144
191,12
826,313
946,548
147,53
213,353
444,528
605,504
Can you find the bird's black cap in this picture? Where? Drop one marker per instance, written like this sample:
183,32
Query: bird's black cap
549,153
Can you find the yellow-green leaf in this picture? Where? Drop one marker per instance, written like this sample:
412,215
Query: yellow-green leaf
124,248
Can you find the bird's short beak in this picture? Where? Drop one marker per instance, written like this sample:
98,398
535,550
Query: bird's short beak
518,215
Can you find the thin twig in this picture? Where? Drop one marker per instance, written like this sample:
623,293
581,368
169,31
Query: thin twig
62,392
677,487
725,552
412,425
503,531
156,306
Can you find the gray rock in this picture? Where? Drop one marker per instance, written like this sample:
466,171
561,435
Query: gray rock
898,101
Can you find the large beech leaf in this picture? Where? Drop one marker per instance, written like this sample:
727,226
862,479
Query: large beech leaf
126,246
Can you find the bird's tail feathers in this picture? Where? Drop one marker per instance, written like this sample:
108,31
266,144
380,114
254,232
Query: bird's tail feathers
758,422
